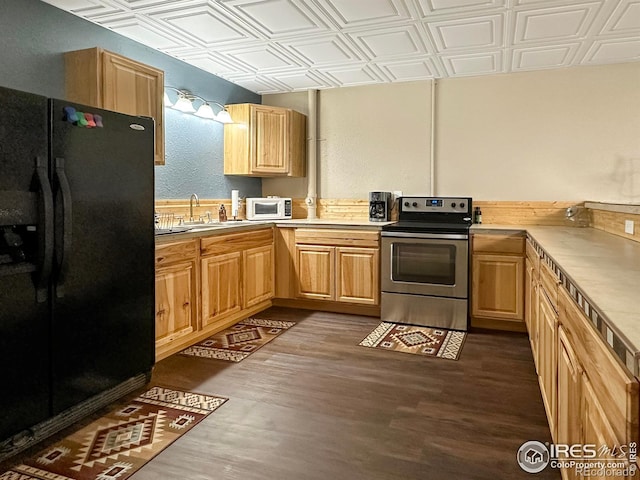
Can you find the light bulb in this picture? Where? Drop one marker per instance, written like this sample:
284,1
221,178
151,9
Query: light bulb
184,105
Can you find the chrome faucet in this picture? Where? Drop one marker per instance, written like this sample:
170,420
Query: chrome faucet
193,197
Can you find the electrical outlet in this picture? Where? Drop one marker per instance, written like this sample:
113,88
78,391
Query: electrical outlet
628,227
397,194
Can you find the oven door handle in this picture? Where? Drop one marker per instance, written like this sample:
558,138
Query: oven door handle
443,236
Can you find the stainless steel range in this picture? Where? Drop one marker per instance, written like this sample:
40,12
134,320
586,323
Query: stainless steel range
425,263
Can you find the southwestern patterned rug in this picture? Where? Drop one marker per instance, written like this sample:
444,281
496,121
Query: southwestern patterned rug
431,342
240,340
118,444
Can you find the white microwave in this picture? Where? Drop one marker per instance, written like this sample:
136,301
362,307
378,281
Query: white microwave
270,208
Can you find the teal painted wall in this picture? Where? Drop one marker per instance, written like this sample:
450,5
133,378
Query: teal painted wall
35,36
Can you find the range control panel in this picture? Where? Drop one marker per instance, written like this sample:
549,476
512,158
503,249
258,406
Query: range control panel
435,204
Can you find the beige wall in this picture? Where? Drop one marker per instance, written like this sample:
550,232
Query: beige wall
370,138
565,134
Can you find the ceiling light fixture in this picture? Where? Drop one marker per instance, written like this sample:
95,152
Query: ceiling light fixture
184,104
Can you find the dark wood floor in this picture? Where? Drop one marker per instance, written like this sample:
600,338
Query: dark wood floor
313,405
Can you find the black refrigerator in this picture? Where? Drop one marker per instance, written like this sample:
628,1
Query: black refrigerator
76,255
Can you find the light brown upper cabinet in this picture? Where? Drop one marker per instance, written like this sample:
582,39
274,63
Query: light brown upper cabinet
265,141
107,80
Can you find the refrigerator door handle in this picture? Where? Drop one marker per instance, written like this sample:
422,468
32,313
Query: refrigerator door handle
45,231
65,227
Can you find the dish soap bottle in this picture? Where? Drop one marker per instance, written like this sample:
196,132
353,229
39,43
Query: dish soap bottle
222,214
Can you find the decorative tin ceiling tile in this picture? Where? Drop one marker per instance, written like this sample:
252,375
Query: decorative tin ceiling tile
389,43
347,13
203,24
612,51
305,80
353,75
554,23
262,58
143,31
413,69
355,42
85,8
428,7
474,64
531,58
277,17
464,33
332,49
259,84
625,19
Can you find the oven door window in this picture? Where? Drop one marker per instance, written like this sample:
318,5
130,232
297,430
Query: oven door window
423,263
266,208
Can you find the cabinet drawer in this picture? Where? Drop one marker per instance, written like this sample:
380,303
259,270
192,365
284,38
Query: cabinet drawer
232,242
498,243
549,282
613,385
337,238
169,253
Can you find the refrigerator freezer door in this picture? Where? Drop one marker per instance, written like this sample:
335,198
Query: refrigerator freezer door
24,322
103,315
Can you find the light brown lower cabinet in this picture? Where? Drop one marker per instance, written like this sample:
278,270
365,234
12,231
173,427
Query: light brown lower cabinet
569,421
207,284
337,265
497,281
531,308
258,278
589,395
548,357
357,278
220,287
315,267
176,291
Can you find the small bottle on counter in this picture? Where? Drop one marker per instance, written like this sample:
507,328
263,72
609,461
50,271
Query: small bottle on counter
222,213
477,215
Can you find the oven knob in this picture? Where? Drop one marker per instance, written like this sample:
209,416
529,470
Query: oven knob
406,204
453,205
415,204
462,205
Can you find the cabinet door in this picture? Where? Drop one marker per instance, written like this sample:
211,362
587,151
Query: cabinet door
269,141
535,329
221,283
531,309
135,89
357,275
498,287
315,272
258,275
568,422
548,359
597,429
528,290
176,302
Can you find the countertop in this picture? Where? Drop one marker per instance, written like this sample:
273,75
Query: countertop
605,270
246,225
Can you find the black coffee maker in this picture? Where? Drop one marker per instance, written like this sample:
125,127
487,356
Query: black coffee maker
380,206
